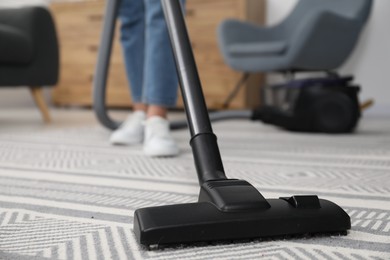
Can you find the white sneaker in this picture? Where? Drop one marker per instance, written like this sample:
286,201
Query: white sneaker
158,139
131,131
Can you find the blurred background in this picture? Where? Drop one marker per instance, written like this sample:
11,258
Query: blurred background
79,22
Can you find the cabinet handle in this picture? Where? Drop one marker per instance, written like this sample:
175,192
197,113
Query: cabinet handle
95,17
190,12
93,48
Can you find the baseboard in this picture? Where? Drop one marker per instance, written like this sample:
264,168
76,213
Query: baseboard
378,110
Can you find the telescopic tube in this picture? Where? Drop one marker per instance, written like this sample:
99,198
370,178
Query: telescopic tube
204,143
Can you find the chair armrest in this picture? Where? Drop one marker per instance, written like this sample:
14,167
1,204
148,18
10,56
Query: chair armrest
19,18
15,46
235,31
38,25
35,23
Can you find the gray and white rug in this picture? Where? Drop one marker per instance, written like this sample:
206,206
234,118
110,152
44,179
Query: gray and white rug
68,194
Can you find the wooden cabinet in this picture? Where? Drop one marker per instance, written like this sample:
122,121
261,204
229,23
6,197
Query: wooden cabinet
79,25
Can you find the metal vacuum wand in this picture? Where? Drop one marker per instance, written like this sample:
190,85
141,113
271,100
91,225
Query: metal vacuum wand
203,142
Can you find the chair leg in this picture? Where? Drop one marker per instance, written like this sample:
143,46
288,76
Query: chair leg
37,94
235,91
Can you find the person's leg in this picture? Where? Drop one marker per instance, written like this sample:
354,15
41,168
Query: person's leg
157,110
132,17
160,77
160,83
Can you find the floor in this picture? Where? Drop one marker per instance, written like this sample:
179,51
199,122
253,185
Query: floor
65,193
29,118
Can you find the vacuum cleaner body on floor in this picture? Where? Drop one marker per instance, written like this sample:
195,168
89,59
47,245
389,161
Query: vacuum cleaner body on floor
325,105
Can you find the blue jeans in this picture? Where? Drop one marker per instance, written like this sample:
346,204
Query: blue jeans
149,60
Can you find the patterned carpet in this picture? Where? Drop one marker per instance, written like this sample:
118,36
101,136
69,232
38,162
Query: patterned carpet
66,194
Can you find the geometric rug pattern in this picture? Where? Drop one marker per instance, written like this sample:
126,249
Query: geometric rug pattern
68,194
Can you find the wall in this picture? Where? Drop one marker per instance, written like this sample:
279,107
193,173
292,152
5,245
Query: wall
370,62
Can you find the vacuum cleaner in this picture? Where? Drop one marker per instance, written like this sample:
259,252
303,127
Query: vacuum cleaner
314,105
228,209
322,105
326,104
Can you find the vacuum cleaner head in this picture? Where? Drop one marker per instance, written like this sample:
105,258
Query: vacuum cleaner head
234,210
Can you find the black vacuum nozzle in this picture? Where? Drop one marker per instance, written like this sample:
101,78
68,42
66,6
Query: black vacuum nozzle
206,221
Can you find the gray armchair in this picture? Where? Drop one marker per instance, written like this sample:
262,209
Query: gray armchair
318,35
29,52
